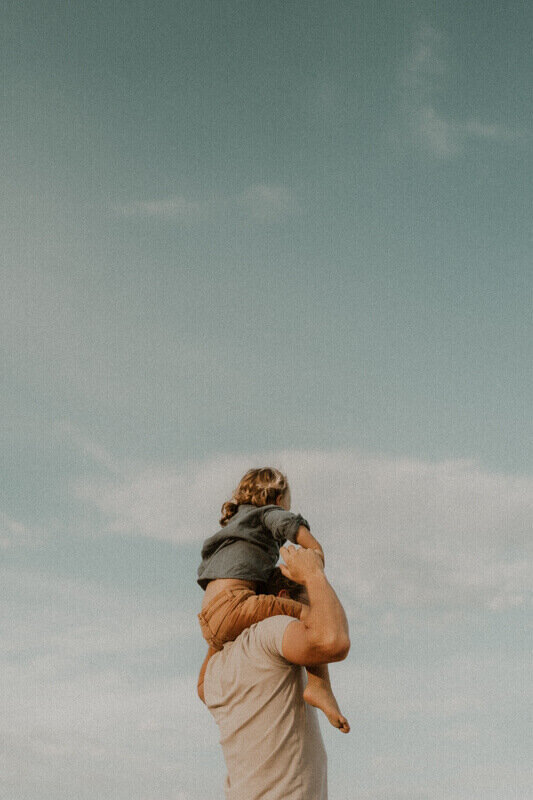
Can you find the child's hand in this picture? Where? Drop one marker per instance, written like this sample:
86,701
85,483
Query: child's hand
300,564
305,538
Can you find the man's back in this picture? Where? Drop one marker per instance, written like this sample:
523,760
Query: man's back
270,737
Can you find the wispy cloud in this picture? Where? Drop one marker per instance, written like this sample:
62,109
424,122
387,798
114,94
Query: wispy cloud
439,134
267,203
407,533
425,64
90,448
73,622
176,208
91,687
453,689
424,79
259,203
14,533
489,131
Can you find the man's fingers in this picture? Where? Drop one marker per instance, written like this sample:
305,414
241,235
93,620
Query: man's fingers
287,550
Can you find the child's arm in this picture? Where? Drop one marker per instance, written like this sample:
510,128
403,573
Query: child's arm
306,540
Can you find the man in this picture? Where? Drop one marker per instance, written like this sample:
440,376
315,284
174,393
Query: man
270,737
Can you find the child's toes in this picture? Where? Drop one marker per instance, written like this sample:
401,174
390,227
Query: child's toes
343,725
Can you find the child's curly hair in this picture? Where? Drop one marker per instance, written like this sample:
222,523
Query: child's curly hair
259,487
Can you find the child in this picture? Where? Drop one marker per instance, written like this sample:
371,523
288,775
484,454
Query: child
241,557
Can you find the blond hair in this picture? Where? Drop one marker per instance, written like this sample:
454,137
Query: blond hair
259,487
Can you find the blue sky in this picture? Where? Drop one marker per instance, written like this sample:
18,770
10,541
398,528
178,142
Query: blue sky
240,233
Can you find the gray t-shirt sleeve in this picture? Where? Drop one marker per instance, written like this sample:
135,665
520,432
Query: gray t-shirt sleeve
268,636
282,524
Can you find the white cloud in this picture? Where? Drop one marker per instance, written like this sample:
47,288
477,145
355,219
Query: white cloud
72,620
94,451
122,737
82,348
91,692
267,203
438,134
461,733
483,130
402,532
423,81
264,203
14,533
425,63
176,208
458,690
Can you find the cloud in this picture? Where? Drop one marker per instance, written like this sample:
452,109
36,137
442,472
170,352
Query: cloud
123,737
423,82
451,689
14,534
267,203
439,135
91,449
92,690
262,203
483,130
425,63
397,532
176,209
74,620
88,349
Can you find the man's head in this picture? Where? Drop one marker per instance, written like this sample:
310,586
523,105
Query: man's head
281,586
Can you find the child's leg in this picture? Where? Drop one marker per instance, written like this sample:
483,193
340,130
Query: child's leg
248,608
319,693
200,683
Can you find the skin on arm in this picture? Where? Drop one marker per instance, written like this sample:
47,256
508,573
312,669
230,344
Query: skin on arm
305,539
320,635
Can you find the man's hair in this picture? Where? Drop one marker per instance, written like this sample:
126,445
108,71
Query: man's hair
277,581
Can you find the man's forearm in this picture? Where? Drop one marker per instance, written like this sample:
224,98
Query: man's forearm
325,617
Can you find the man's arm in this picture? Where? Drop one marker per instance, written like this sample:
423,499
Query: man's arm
322,634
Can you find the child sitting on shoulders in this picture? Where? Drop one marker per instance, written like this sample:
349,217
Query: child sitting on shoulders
239,559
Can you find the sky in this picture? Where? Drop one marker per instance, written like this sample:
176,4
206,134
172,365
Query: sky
240,233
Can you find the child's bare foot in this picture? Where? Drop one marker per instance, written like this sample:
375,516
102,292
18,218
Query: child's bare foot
323,698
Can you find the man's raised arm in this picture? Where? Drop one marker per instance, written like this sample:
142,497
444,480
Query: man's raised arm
321,635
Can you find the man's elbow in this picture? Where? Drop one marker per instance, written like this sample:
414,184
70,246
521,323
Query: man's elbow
343,648
337,649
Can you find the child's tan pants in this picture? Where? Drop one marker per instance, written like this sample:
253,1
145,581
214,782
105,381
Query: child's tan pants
232,610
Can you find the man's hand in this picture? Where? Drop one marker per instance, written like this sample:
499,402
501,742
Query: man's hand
321,634
300,564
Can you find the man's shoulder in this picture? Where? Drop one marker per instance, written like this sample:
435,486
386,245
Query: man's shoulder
272,629
262,640
266,637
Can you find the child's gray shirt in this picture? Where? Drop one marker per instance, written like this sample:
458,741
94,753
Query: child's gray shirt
247,547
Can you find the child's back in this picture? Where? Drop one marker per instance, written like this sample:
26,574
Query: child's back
247,547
